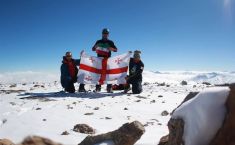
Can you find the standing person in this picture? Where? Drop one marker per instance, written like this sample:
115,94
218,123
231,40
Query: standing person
136,67
103,48
69,73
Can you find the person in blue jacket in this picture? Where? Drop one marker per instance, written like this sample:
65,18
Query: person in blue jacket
136,67
69,73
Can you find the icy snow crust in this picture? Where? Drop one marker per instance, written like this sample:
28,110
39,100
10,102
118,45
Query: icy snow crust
36,116
203,115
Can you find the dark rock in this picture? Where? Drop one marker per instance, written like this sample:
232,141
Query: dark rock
83,128
141,97
160,96
137,100
125,108
161,84
91,113
206,83
13,86
96,108
13,103
36,140
153,101
128,134
148,123
36,86
184,83
107,118
44,120
65,133
69,107
38,109
6,142
4,121
165,113
146,83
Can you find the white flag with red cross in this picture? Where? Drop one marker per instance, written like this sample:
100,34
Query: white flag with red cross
99,70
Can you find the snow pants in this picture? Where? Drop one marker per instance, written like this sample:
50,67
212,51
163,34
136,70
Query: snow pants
136,86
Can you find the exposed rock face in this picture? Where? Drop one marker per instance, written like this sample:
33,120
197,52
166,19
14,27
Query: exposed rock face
83,128
226,134
6,142
176,129
127,134
36,140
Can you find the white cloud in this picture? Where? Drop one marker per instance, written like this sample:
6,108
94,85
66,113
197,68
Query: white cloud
28,77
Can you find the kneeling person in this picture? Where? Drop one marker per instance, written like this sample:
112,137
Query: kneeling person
136,67
69,73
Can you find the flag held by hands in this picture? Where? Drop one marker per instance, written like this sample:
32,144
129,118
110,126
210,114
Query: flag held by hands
98,70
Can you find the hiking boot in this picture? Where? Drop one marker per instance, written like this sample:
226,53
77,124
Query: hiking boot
127,90
97,88
109,90
82,88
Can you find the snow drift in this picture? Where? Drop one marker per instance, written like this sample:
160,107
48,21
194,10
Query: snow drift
203,115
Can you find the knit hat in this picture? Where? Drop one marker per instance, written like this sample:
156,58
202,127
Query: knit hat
137,54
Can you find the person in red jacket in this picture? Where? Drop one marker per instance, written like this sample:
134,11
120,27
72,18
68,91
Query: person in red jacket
69,73
103,48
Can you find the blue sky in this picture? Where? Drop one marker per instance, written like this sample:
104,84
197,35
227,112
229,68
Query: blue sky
172,35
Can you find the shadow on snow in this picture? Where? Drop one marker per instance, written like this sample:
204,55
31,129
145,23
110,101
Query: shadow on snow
51,96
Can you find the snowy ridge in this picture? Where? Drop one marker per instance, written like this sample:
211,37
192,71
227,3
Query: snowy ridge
190,76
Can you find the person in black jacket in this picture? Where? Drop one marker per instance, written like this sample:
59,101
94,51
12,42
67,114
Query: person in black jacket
103,48
69,73
136,67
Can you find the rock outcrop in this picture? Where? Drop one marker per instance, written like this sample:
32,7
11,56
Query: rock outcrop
6,142
84,128
127,134
176,130
226,134
36,140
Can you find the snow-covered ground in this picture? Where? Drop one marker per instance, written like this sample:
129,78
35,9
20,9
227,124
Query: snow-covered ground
38,108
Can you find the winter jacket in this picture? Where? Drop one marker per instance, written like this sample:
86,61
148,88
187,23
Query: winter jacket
135,70
103,43
66,75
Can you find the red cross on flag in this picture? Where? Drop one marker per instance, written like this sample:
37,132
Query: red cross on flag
99,70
